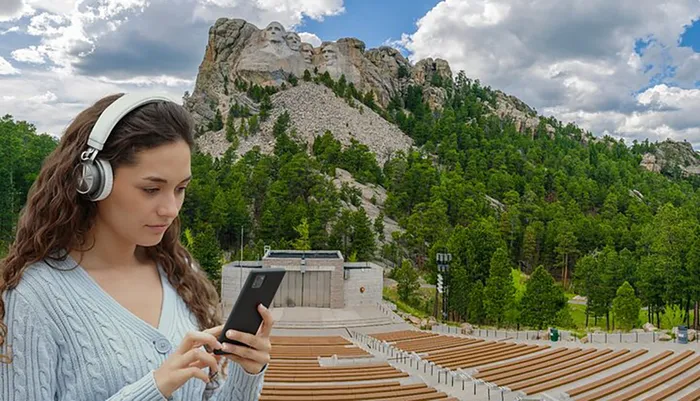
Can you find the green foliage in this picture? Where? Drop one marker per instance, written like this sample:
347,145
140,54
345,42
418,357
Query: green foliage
302,243
403,71
626,307
407,281
293,79
281,125
379,226
22,152
217,123
208,253
307,76
499,290
542,300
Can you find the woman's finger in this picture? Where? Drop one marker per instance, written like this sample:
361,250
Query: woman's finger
215,331
199,355
198,373
268,321
255,342
196,339
248,353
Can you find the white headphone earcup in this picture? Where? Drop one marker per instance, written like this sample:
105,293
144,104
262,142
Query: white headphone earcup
106,179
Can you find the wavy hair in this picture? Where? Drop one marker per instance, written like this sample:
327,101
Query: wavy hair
57,219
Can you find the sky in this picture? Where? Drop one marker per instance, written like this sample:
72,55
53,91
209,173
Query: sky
625,68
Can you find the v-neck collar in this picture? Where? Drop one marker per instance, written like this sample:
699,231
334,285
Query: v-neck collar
115,308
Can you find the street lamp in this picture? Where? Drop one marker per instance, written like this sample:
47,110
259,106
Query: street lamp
443,279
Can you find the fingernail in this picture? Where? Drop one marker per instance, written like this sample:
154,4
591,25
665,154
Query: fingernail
230,333
219,345
262,307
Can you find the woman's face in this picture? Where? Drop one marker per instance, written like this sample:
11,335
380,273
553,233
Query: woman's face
146,197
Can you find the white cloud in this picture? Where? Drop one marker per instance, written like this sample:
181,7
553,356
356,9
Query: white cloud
92,48
9,30
310,38
50,100
11,10
6,68
31,54
573,60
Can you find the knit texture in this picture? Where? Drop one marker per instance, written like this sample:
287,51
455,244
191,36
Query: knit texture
70,340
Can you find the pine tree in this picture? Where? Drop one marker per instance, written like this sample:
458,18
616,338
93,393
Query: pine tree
217,123
207,253
542,300
302,242
379,226
407,281
363,237
499,290
307,76
626,307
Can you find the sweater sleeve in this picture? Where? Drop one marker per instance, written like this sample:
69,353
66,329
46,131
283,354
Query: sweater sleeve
240,385
31,374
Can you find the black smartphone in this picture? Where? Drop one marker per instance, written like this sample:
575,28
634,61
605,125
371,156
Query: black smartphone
260,288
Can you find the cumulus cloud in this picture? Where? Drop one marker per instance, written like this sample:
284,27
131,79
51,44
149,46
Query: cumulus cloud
6,68
81,50
10,9
574,60
310,38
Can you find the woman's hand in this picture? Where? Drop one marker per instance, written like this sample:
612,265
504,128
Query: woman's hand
187,362
252,359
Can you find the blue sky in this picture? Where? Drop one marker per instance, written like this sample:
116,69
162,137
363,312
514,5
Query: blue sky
604,65
373,21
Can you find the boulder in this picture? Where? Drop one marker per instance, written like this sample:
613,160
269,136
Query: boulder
648,327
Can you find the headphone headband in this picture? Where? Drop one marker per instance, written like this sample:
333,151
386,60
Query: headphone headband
114,113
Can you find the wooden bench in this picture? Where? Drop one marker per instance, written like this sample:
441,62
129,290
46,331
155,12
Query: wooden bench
694,396
635,379
609,379
570,378
676,387
529,361
496,356
646,387
366,391
403,335
504,373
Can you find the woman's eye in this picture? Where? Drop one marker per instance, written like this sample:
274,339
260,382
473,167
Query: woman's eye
150,190
181,189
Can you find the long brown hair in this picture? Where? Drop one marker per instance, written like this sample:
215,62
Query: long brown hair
57,219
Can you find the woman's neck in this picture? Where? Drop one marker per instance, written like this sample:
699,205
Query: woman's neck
106,250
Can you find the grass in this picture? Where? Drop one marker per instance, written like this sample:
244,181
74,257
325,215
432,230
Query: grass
390,294
669,319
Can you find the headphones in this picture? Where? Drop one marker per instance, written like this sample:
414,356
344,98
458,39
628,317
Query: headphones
95,175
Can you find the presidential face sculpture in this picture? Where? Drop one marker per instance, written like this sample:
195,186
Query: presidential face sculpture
274,33
330,53
307,51
293,41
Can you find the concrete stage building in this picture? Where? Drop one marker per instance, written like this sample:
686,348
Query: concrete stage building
315,279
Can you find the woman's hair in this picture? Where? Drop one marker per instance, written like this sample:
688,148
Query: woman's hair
57,219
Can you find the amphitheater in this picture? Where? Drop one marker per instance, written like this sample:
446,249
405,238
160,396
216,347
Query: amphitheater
360,349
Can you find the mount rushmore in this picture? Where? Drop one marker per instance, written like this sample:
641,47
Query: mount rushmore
237,49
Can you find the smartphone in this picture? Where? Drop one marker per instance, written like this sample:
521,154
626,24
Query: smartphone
260,288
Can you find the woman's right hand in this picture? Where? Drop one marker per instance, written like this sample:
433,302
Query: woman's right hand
187,362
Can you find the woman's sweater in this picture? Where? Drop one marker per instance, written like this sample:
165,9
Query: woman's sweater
70,340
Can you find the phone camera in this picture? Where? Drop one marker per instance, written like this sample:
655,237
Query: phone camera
257,283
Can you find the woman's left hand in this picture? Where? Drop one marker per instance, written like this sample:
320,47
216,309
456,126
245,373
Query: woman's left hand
252,359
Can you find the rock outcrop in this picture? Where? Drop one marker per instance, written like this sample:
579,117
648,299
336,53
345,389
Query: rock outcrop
237,49
669,154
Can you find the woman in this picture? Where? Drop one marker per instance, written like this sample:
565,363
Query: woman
97,291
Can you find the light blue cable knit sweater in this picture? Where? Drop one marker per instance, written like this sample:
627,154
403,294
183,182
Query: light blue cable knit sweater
71,341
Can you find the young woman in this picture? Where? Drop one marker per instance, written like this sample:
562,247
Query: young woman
100,301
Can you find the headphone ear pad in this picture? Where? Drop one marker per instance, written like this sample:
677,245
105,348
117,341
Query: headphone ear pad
106,180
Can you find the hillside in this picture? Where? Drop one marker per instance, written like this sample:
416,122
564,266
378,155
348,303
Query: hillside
314,109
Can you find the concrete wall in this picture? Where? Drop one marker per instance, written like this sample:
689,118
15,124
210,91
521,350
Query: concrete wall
371,279
333,265
232,280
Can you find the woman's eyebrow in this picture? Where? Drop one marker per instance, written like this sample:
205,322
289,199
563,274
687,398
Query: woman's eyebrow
163,180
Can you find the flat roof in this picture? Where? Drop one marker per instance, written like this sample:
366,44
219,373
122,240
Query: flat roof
303,254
